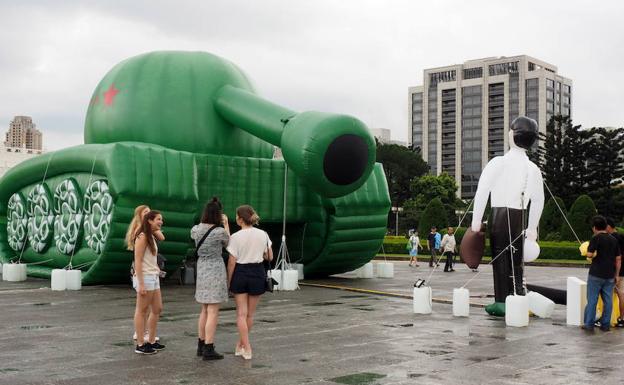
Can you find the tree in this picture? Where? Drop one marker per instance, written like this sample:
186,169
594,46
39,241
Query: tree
605,168
400,165
428,187
552,219
580,216
433,215
564,158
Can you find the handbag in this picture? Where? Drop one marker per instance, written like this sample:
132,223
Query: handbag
269,282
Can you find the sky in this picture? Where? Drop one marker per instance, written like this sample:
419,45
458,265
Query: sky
355,57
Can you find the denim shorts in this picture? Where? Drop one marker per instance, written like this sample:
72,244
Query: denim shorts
248,278
151,282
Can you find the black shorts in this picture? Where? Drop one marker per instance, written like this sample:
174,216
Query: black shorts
248,278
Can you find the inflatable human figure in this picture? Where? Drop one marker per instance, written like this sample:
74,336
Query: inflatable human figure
512,181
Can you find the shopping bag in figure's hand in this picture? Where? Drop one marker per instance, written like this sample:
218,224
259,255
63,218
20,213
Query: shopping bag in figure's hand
472,247
408,246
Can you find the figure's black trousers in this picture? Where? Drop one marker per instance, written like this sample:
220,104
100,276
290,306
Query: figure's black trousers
499,240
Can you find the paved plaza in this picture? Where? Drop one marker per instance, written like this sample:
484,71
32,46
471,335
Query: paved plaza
312,336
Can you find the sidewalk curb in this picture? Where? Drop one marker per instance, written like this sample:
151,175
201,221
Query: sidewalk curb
540,264
378,292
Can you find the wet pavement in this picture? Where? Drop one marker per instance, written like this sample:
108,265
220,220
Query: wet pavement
311,336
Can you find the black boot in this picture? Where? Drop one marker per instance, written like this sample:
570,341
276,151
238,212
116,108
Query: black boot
200,347
210,354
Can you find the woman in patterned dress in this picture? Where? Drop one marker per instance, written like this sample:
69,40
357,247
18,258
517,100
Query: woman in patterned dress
211,284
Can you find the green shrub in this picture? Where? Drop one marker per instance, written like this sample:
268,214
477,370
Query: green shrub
548,250
552,219
580,215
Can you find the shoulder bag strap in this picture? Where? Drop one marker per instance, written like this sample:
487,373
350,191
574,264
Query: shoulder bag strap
201,241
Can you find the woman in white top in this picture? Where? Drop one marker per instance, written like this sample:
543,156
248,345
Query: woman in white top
146,283
248,249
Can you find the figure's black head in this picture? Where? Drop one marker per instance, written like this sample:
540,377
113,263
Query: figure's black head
525,131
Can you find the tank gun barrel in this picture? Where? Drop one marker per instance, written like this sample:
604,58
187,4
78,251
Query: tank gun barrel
334,154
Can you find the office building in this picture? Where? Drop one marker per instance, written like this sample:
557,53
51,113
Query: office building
23,134
460,115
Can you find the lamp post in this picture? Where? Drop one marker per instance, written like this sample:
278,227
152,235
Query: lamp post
396,211
459,213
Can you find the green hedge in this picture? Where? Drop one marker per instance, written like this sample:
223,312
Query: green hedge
548,250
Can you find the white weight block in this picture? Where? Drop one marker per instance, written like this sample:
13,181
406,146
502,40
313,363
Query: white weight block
539,305
14,272
286,279
517,311
74,280
365,271
299,268
576,300
422,300
23,272
461,302
59,280
385,270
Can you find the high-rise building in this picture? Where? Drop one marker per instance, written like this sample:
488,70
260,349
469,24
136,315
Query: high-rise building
384,136
23,134
460,115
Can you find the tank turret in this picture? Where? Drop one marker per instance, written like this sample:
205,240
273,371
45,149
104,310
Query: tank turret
198,102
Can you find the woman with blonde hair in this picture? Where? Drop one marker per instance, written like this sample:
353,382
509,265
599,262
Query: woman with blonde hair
135,224
146,282
248,249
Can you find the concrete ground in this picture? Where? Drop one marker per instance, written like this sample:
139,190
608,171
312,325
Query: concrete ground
311,336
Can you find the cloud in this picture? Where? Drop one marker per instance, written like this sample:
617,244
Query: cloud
354,57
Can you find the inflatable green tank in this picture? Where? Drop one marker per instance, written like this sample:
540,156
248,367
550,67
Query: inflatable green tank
172,130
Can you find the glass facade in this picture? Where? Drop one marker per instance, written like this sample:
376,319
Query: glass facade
432,130
496,119
514,98
503,68
532,98
471,140
473,73
550,99
566,101
417,124
448,131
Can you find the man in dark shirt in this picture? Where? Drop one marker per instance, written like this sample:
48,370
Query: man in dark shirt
619,288
603,274
434,243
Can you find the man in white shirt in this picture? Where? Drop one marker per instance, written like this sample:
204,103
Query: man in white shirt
448,249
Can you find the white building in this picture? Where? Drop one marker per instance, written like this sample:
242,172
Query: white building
460,115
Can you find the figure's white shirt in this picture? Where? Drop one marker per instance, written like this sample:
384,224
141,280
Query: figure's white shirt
505,178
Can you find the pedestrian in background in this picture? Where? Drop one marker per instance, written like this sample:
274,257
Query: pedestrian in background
448,245
414,241
433,241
